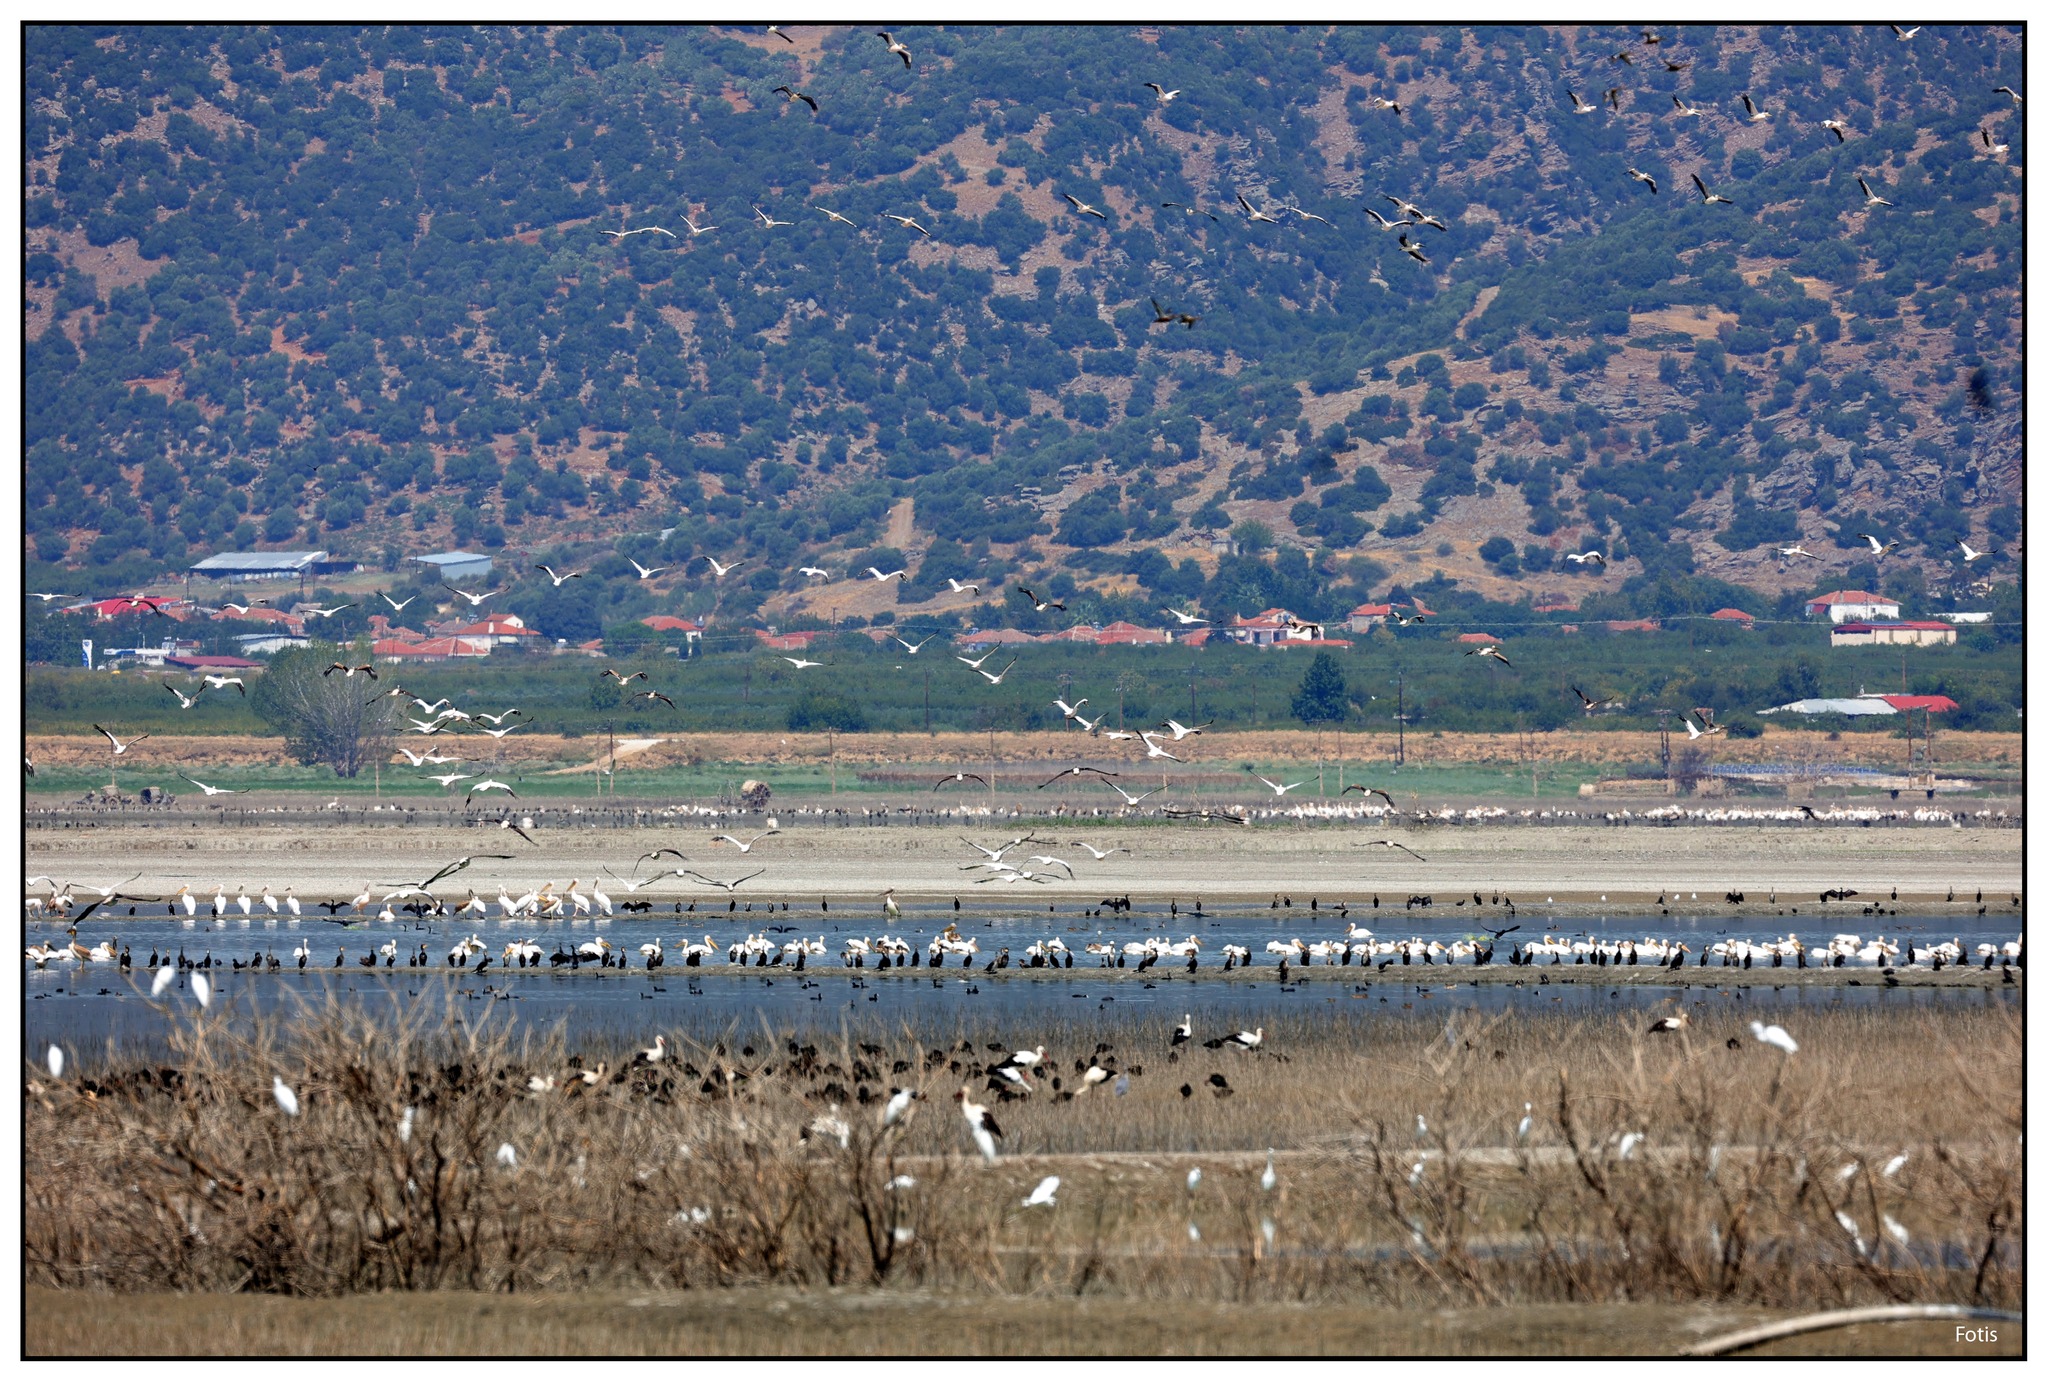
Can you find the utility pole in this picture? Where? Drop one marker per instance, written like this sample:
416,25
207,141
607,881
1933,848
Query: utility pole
1123,684
1401,718
1664,739
927,699
832,754
1194,716
611,753
1065,681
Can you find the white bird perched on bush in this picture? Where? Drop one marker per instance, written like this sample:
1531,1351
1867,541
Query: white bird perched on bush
56,1062
165,977
1270,1179
282,1092
1774,1035
1044,1193
506,1156
202,989
897,1109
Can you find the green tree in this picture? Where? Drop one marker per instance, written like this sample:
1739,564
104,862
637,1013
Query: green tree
1321,698
324,718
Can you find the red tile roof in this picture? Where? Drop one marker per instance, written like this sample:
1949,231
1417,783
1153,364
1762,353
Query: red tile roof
668,623
1477,638
1936,703
1631,625
1733,613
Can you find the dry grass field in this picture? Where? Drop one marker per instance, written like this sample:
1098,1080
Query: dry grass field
1663,1186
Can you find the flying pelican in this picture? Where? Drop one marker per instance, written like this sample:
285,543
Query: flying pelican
1184,617
218,682
695,229
768,223
1708,198
1278,790
789,95
1592,705
185,702
1414,251
1840,129
746,846
800,662
1082,208
48,595
1373,792
1970,553
898,49
979,1125
1795,550
1614,98
1394,844
1131,799
1643,177
313,613
1190,209
907,223
1693,731
717,883
963,587
1384,224
1756,113
1253,212
2006,91
210,791
1684,109
1153,750
474,600
1579,106
1181,731
489,785
643,696
348,671
1492,651
565,576
1870,198
1877,548
1985,135
876,573
960,777
119,747
1038,605
996,678
620,677
1581,558
1161,92
1905,34
1162,317
643,230
975,662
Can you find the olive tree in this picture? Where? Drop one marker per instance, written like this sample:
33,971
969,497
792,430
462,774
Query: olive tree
325,717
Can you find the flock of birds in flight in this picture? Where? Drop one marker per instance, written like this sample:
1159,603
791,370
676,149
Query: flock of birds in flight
1412,216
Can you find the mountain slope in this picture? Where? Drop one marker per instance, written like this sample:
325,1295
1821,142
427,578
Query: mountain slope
350,288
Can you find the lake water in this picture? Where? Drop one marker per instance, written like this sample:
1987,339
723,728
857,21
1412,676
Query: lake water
84,1006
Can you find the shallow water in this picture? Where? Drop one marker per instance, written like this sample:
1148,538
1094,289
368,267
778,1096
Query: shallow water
85,1006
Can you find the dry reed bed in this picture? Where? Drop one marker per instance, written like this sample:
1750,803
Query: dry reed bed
1653,1169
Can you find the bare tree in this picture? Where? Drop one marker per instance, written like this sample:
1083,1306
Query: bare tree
337,720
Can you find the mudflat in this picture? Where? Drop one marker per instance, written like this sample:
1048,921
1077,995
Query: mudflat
1610,868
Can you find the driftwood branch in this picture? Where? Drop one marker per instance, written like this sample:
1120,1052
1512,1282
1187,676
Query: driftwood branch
1838,1319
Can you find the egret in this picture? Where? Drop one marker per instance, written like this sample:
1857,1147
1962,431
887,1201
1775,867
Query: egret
1044,1193
282,1092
